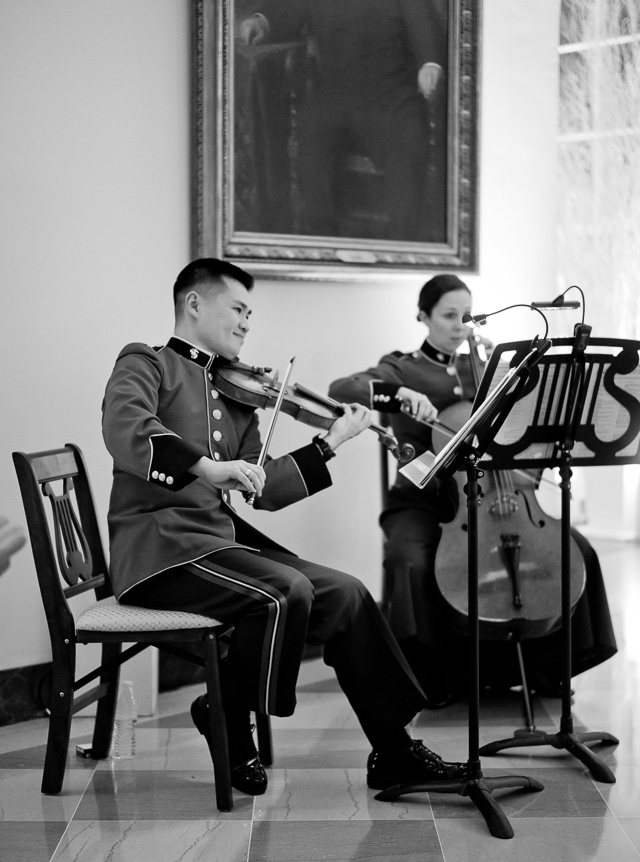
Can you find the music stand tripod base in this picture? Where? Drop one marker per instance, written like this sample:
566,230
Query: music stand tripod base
478,789
567,740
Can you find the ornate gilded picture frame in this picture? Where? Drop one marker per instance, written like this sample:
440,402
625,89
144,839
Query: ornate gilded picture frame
336,139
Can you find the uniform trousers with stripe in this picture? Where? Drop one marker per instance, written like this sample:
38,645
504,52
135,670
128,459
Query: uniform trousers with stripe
277,603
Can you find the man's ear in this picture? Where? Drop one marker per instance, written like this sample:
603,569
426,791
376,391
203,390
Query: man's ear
422,317
192,303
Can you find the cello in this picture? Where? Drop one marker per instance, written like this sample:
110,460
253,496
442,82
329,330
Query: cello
519,550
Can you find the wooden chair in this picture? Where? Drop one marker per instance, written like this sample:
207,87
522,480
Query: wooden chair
69,559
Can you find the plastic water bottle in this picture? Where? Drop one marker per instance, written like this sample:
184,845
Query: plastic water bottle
124,731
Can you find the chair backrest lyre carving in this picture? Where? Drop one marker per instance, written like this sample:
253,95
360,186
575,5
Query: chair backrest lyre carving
66,542
72,548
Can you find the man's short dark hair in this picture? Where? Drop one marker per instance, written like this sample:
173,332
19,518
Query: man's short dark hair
208,271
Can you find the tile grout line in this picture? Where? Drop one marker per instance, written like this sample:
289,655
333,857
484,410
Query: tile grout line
73,814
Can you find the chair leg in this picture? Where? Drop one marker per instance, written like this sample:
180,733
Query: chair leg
55,761
218,725
265,742
106,709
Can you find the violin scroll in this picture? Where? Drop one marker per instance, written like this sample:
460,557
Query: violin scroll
407,453
403,453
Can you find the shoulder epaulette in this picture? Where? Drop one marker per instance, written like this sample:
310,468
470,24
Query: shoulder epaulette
137,347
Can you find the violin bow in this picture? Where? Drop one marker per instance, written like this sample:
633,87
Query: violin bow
272,424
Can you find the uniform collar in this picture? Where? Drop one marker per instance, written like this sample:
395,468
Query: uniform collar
435,355
189,351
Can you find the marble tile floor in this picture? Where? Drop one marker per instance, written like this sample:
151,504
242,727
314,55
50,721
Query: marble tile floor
160,806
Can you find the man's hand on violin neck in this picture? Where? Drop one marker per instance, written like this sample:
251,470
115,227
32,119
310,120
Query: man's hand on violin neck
355,419
231,475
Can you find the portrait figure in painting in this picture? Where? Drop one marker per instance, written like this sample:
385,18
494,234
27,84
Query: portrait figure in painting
340,118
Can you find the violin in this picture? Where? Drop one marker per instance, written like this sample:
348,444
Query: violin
257,387
519,551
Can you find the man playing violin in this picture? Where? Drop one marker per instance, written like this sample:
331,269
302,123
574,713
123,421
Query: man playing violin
413,388
179,447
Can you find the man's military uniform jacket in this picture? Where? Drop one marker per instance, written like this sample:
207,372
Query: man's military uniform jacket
161,414
445,379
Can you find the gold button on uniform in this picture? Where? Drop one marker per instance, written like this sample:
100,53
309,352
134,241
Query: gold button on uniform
215,393
217,414
216,456
457,390
451,370
217,436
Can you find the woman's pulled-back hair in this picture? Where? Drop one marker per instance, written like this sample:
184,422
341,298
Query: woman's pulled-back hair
436,288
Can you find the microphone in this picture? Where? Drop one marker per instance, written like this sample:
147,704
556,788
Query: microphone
478,319
558,302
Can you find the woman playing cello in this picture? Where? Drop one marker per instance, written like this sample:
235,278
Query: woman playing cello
413,388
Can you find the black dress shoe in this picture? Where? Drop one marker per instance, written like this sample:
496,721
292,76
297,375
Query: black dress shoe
414,764
247,773
438,699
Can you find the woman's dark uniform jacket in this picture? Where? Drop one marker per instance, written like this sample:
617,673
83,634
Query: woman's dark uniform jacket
161,415
447,379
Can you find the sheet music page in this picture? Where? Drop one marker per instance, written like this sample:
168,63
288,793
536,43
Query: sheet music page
521,416
546,405
426,466
417,470
610,417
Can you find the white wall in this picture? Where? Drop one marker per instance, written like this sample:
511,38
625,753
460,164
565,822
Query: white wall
94,209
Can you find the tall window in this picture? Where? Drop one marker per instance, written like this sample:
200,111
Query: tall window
599,160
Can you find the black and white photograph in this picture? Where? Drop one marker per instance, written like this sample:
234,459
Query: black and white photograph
320,438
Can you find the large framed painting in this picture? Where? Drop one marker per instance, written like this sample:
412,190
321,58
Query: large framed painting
336,138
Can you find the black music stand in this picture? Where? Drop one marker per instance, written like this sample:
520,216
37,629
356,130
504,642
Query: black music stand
467,446
581,408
